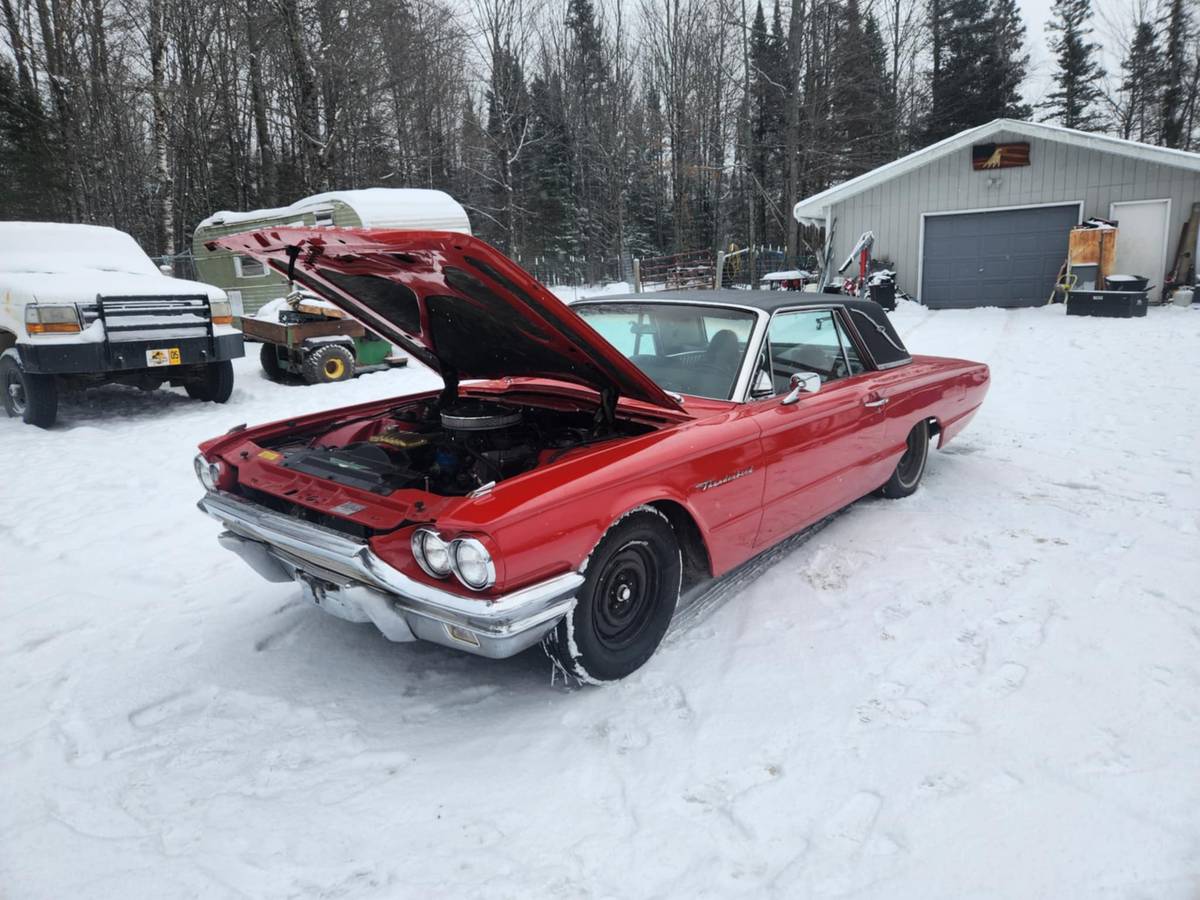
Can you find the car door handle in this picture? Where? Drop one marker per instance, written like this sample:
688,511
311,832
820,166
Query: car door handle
879,401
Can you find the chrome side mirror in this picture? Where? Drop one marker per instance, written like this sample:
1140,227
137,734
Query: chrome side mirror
802,383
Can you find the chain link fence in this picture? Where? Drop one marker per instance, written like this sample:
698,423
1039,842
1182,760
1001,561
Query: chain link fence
181,265
554,271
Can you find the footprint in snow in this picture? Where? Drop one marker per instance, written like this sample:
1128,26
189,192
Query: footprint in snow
1007,679
852,823
177,705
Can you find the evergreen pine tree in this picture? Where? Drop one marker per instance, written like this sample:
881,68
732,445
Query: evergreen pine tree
32,180
979,64
764,114
1005,64
858,95
551,203
1141,87
1175,66
507,123
1078,76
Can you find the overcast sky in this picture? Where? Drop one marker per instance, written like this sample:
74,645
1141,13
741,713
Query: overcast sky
1037,14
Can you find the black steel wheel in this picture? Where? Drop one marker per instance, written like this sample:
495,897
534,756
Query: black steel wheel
31,398
626,602
911,467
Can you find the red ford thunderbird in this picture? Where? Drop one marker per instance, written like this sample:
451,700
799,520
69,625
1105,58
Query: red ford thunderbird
582,464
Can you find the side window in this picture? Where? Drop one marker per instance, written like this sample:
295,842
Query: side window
248,267
807,341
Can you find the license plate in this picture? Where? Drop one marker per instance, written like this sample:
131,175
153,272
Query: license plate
163,356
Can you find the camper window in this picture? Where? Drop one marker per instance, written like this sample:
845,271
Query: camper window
323,217
247,267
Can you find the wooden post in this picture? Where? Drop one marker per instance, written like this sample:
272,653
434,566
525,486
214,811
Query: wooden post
637,276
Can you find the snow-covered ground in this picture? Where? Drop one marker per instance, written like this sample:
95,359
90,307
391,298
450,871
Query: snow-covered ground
991,689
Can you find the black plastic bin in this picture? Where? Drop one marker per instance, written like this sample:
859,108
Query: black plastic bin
1126,282
884,294
1110,304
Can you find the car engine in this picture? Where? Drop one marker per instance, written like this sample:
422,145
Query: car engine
449,451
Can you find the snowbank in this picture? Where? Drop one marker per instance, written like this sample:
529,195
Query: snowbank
987,690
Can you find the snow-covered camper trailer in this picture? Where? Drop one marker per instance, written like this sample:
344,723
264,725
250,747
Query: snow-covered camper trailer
248,281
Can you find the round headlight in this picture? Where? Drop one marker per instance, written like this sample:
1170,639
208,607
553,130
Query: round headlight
208,473
472,564
431,552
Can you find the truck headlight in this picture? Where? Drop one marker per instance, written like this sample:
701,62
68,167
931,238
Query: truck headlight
431,552
58,319
209,473
472,564
221,312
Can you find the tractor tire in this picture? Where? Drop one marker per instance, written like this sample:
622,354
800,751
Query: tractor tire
332,362
269,357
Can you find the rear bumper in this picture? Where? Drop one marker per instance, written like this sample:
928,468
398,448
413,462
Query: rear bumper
345,578
97,358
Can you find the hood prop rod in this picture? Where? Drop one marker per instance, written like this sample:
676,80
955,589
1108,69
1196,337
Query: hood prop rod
450,390
606,412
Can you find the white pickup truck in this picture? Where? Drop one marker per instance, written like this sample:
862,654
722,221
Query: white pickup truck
82,305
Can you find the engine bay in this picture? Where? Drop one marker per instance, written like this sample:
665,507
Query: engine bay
449,450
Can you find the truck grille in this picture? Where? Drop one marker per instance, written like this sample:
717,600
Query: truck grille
150,318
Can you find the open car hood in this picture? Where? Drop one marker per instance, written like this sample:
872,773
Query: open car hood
452,301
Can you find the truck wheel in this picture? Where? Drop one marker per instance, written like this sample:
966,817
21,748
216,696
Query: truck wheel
333,362
625,604
907,476
215,385
269,357
33,398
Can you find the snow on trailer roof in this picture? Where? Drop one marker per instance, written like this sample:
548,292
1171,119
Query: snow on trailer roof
415,208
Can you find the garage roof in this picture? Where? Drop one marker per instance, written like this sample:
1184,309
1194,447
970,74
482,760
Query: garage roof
813,209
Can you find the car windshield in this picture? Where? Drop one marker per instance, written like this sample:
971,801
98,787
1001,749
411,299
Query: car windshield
686,348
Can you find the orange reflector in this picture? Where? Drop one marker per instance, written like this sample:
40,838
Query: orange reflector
52,327
222,320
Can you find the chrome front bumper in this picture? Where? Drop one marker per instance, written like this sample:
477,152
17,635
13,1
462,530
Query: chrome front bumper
346,579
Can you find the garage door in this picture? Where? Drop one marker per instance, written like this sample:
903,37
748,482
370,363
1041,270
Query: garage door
1007,258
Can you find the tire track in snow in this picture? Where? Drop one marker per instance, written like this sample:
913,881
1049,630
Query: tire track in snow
702,601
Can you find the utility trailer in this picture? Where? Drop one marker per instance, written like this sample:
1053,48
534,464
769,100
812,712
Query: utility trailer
317,342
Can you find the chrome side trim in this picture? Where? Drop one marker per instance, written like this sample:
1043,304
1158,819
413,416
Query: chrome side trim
343,561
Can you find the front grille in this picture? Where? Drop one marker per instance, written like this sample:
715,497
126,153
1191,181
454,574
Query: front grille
296,511
150,318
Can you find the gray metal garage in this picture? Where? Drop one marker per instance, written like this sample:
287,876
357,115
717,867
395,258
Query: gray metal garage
981,218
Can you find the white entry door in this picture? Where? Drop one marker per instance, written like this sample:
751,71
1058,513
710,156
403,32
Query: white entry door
1142,240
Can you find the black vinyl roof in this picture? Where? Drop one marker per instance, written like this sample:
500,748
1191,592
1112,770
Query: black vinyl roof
868,317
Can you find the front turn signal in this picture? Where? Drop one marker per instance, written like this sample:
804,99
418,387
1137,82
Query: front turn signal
60,319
